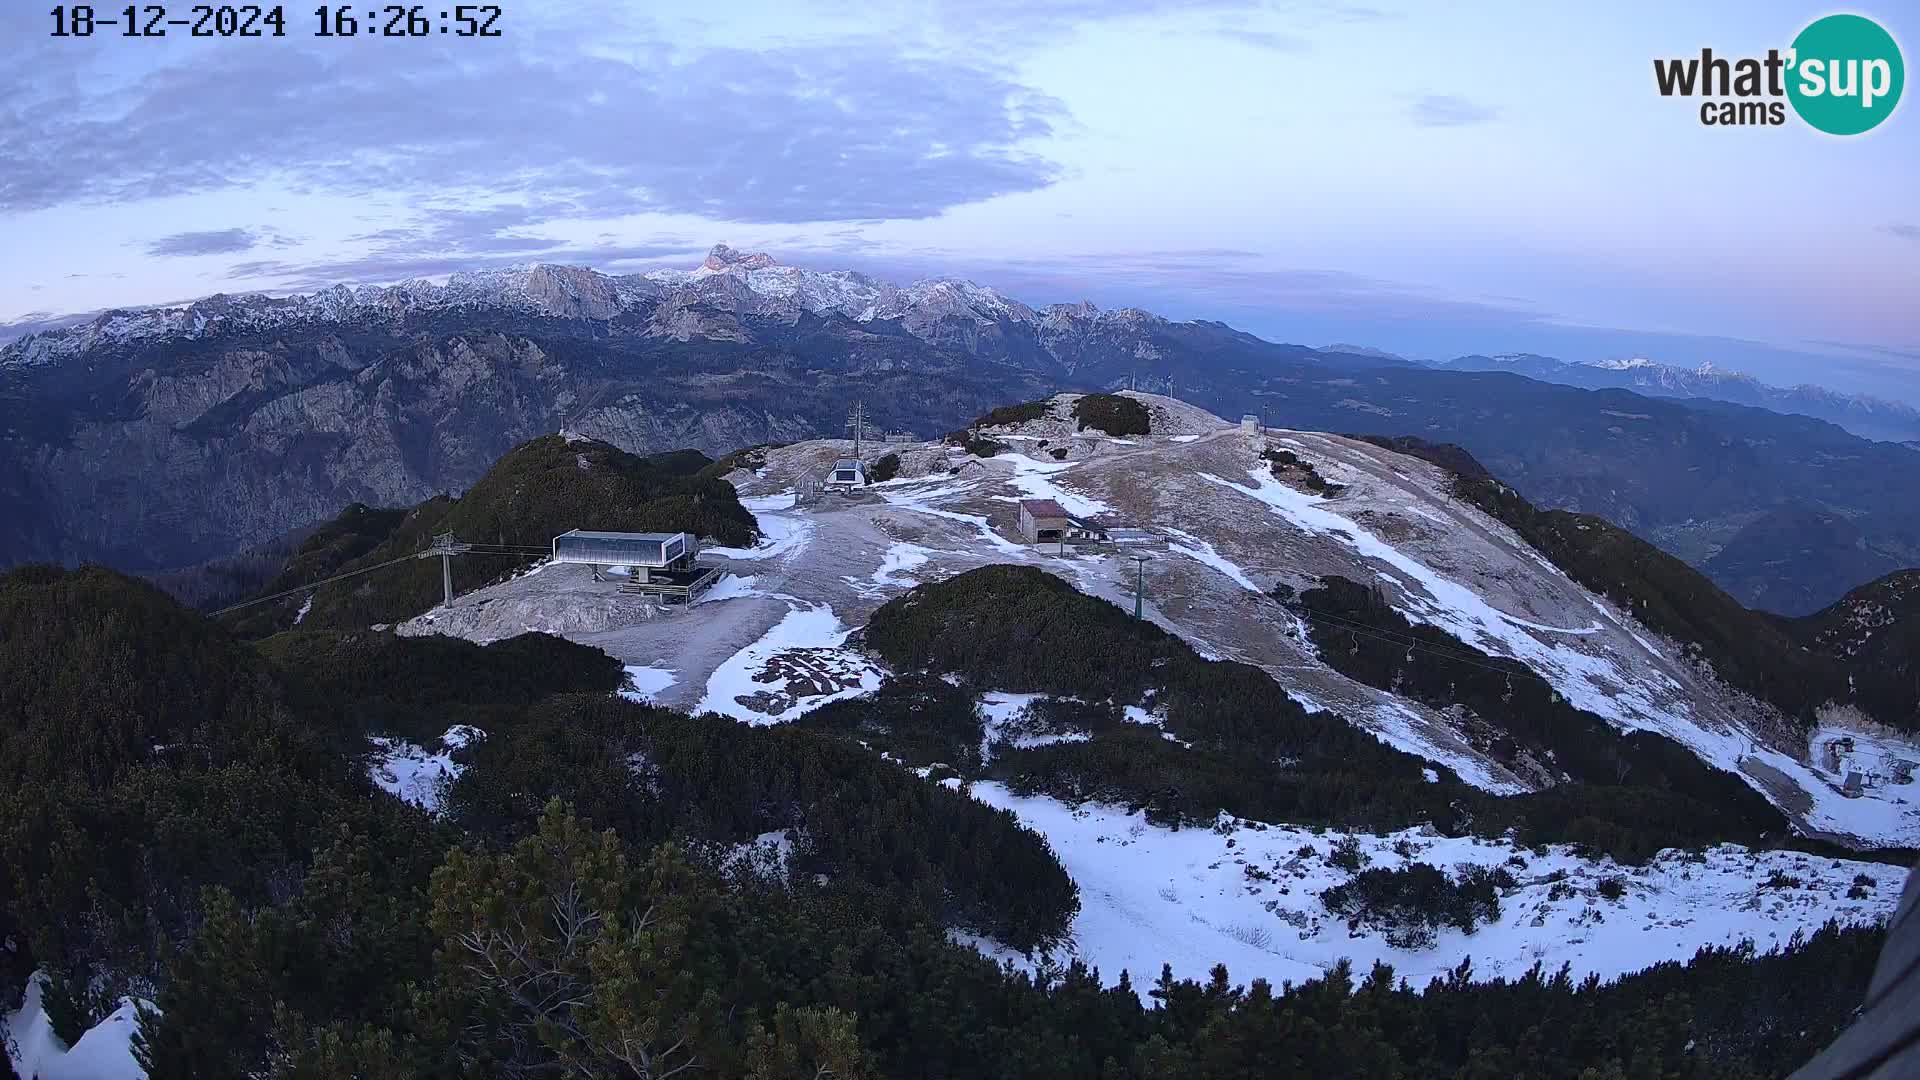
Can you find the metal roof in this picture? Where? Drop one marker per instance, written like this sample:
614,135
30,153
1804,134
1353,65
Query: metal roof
656,537
1043,508
849,463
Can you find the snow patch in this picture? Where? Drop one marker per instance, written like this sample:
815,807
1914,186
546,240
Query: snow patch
1034,480
900,558
1245,895
104,1052
731,587
783,531
411,773
1196,548
647,682
798,665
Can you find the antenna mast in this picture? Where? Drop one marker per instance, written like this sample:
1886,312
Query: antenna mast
857,423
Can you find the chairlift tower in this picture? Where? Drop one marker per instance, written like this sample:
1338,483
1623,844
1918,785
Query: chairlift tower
1139,584
446,546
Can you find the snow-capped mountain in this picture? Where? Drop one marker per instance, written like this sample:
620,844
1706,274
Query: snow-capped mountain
268,413
728,281
1872,417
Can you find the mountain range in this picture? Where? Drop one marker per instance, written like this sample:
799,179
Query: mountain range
263,415
1381,715
1863,414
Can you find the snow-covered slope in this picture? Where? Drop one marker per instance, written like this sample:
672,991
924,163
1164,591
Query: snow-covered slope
777,639
1247,894
1223,532
104,1052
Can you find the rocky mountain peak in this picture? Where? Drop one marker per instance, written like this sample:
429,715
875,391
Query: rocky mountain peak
723,258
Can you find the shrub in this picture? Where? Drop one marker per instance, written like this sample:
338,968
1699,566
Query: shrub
1347,854
1613,887
1111,413
1414,900
1008,415
885,469
1287,465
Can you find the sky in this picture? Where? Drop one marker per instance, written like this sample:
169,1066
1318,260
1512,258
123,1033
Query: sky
1434,179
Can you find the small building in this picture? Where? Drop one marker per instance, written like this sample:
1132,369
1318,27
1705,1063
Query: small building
847,474
1250,425
1043,521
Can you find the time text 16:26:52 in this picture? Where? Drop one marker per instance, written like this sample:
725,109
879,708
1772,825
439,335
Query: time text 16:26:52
258,21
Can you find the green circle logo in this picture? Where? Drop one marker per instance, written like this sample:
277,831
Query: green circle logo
1845,75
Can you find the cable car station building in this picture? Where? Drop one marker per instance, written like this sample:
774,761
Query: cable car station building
660,565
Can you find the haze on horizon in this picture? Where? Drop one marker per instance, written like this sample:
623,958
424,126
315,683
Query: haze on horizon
1434,182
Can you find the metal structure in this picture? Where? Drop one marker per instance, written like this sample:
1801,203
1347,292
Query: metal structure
682,585
659,565
643,551
857,423
848,473
1884,1041
1139,585
446,547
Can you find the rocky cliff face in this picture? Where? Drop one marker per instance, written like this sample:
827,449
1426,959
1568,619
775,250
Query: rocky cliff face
166,437
199,451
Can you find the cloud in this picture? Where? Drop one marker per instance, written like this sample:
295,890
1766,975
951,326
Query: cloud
215,242
1447,110
1270,40
34,322
813,133
1903,230
397,263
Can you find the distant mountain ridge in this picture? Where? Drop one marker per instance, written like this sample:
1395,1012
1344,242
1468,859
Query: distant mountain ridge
1862,414
268,414
677,304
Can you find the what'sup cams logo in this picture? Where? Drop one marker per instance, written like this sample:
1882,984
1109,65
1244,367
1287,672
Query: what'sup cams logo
1842,75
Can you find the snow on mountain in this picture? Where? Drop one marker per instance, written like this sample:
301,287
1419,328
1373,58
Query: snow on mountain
727,280
103,1052
783,640
1229,532
413,774
1247,894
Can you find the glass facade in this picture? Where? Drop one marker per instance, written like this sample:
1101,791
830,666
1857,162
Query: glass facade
620,549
